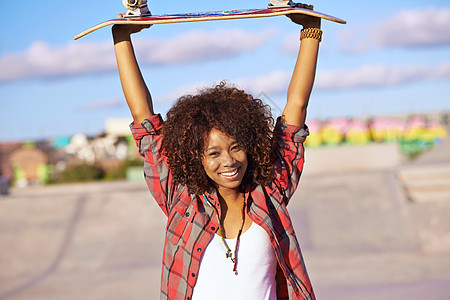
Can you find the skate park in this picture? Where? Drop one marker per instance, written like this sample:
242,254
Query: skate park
371,226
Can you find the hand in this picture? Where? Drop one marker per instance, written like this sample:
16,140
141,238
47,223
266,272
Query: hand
305,20
120,31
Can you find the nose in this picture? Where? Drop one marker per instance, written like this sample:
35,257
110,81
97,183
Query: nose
228,159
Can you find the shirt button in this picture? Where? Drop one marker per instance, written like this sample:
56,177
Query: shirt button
193,274
213,228
187,214
199,250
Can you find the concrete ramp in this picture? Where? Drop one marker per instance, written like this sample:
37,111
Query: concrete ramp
89,241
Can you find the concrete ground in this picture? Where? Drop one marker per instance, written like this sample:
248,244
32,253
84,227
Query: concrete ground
365,234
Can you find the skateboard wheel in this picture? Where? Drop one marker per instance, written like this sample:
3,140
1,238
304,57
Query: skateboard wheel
131,4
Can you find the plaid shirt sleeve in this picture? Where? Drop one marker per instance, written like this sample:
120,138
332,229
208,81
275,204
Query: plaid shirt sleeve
156,171
289,157
292,278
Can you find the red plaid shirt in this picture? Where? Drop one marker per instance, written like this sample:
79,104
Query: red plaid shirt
191,222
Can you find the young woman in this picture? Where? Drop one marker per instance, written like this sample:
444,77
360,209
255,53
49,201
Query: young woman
223,174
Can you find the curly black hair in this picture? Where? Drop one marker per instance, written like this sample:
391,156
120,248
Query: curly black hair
229,109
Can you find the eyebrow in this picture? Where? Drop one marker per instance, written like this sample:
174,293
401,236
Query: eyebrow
210,148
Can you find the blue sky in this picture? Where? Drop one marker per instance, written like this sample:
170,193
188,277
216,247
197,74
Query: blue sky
393,57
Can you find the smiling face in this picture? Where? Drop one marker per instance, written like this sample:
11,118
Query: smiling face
224,161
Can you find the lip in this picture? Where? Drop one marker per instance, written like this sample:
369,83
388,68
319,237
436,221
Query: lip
232,174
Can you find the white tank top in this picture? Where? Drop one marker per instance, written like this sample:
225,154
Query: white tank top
257,267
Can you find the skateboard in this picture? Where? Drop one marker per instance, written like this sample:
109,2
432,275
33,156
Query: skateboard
139,14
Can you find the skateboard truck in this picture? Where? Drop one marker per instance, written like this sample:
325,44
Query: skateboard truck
288,4
136,8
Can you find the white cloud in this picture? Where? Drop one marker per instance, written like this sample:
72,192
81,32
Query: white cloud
43,61
410,28
103,104
184,90
201,45
270,83
367,76
379,75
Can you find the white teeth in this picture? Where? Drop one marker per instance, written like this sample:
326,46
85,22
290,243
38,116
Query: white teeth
230,173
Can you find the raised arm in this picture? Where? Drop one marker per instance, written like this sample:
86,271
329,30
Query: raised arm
134,88
304,72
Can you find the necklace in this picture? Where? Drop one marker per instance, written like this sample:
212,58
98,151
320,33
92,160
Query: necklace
229,254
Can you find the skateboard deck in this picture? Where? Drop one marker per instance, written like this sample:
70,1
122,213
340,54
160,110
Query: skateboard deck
212,16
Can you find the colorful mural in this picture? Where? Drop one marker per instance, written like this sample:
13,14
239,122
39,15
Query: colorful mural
414,134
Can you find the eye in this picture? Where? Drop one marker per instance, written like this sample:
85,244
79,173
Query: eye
213,154
236,147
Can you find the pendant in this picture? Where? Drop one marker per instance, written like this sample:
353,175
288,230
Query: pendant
230,256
